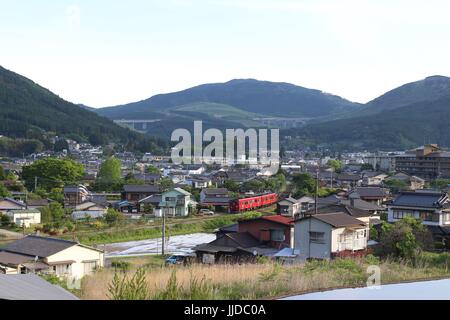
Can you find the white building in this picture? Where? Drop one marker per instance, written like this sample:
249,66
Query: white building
66,259
25,217
327,235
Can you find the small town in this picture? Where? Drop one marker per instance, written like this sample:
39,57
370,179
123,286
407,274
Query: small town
77,217
224,158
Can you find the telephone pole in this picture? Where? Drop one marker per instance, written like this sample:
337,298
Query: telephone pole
316,195
164,228
35,184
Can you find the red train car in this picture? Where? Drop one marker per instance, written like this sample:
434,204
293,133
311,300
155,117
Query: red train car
253,202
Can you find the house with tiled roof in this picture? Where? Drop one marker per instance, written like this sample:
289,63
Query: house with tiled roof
64,258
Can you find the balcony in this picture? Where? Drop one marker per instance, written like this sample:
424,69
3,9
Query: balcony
352,245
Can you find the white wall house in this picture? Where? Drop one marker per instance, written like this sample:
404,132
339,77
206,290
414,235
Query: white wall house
326,235
175,202
25,217
66,259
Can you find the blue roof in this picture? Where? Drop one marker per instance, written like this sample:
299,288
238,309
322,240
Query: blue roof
419,199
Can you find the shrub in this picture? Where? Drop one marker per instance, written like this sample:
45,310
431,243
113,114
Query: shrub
122,265
124,288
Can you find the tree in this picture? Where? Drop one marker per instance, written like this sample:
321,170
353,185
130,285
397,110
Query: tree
2,173
5,221
335,164
304,184
405,238
4,192
366,166
53,213
52,173
113,217
231,185
110,175
61,145
152,169
395,185
166,184
254,185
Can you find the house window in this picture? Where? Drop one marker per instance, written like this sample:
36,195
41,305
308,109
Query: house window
171,199
277,235
426,216
317,237
446,218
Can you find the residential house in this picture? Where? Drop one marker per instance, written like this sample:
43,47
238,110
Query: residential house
289,207
37,203
217,197
134,193
433,208
175,202
74,195
348,180
148,178
328,235
25,218
275,231
8,204
263,236
373,178
412,182
230,248
64,258
89,210
375,195
150,202
198,182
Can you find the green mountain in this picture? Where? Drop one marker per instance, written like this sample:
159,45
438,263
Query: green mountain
392,129
30,114
258,97
428,89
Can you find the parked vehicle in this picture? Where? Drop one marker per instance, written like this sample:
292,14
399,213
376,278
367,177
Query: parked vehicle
206,212
179,259
174,259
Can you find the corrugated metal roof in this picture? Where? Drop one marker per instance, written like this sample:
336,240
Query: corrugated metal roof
31,287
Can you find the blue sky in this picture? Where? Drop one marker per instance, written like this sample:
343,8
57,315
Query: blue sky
104,53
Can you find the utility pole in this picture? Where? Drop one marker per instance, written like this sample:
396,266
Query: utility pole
164,228
35,184
316,196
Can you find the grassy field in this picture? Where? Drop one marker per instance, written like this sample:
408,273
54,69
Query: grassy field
173,227
265,280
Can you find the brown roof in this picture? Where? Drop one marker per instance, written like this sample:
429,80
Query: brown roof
338,219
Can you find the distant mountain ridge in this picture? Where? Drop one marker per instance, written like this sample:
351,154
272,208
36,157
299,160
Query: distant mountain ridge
429,89
250,95
29,111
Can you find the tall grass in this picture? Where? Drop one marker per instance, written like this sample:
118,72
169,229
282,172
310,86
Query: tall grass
266,280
